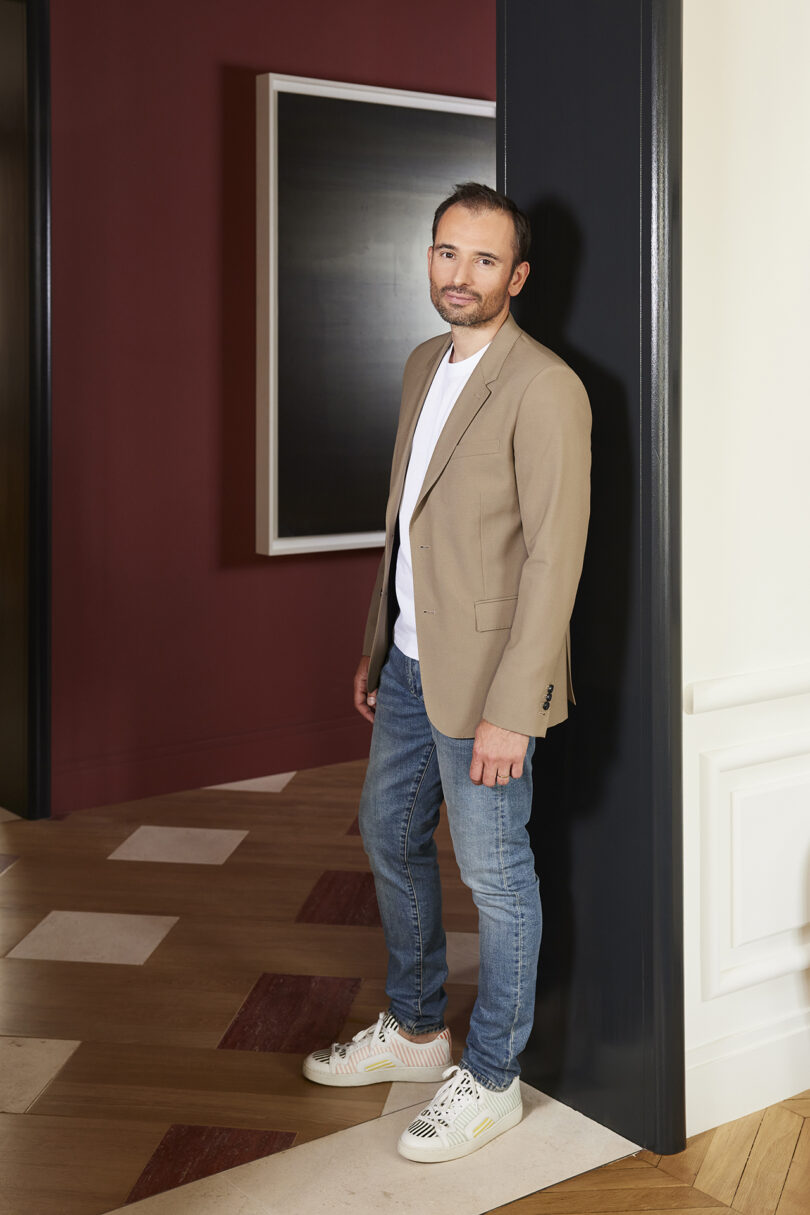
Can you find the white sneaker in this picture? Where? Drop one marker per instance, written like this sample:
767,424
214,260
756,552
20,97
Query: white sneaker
378,1055
461,1118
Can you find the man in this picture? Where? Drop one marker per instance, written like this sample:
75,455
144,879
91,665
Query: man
485,534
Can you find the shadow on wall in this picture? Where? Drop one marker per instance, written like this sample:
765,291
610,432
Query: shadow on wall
238,317
571,763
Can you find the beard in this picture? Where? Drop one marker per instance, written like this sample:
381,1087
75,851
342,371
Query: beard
486,307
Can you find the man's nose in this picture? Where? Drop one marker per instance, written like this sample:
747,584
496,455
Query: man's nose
460,273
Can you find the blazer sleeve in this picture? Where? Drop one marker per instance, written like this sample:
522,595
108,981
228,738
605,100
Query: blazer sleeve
374,609
552,447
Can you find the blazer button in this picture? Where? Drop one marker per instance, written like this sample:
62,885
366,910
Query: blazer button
546,704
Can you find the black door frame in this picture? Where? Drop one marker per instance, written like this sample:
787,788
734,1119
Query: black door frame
581,84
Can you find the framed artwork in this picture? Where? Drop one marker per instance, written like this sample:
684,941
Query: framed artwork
348,179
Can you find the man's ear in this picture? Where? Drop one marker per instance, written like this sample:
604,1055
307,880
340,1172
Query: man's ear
430,258
519,276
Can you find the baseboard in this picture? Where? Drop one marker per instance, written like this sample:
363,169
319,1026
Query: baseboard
193,764
746,1072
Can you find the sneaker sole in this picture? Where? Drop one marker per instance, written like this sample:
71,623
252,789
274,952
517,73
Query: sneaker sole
383,1076
426,1155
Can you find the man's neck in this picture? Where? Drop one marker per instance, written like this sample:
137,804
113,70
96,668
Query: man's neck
469,339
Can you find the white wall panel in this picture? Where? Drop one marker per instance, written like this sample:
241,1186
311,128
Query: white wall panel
770,835
746,555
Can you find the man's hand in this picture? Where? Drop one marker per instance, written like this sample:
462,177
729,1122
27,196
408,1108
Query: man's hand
363,702
497,755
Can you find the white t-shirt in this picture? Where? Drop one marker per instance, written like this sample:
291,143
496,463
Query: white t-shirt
442,395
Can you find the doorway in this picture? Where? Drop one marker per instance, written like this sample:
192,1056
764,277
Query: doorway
589,146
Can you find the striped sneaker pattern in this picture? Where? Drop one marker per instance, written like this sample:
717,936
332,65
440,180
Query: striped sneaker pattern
462,1117
378,1055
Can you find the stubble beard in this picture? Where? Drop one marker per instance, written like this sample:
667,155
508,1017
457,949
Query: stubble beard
487,308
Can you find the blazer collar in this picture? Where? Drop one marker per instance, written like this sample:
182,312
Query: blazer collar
471,398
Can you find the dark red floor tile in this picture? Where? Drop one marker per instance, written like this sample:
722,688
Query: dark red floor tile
355,827
342,897
187,1153
292,1013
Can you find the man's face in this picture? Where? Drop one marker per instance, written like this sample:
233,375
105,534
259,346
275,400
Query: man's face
470,266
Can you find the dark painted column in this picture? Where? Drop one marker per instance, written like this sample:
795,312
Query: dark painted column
589,146
24,409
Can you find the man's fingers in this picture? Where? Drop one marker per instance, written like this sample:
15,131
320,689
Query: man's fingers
498,755
364,701
483,769
490,775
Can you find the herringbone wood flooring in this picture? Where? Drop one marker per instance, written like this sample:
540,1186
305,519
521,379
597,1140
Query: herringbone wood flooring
757,1165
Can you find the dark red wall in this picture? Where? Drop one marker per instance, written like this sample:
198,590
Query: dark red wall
180,657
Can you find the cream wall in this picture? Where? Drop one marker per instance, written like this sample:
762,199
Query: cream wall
746,553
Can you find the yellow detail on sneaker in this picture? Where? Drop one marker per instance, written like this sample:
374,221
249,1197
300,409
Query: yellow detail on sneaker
373,1067
483,1126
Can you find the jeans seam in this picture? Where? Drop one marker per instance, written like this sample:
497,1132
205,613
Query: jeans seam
410,877
516,895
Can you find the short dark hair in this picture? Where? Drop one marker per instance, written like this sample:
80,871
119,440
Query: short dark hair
477,197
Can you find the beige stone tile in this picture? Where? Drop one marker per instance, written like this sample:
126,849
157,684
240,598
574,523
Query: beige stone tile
179,845
6,816
27,1066
552,1143
405,1094
259,784
94,936
462,957
15,922
211,1196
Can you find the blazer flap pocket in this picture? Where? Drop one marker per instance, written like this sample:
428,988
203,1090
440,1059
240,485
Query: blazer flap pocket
495,613
478,447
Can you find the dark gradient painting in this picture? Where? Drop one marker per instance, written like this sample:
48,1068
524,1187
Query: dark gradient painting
357,187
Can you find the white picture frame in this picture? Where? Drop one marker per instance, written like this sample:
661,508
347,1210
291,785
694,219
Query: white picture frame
271,539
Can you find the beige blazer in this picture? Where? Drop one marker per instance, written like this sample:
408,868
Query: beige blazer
497,538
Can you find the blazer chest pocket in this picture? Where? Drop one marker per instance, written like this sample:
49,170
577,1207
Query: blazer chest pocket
495,613
477,447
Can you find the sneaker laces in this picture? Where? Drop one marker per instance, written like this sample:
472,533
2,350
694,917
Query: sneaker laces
458,1090
376,1032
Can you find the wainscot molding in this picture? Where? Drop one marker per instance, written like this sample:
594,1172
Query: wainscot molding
754,842
753,687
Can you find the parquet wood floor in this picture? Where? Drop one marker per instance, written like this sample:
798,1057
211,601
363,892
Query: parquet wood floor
155,1063
757,1165
179,1067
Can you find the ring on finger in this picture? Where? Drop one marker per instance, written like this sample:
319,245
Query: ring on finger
503,780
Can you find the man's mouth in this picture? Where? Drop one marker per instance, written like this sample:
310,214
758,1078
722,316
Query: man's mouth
458,298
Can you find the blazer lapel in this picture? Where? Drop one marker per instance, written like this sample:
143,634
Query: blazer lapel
470,400
402,448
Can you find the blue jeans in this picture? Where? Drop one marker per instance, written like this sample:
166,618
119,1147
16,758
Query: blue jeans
411,767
